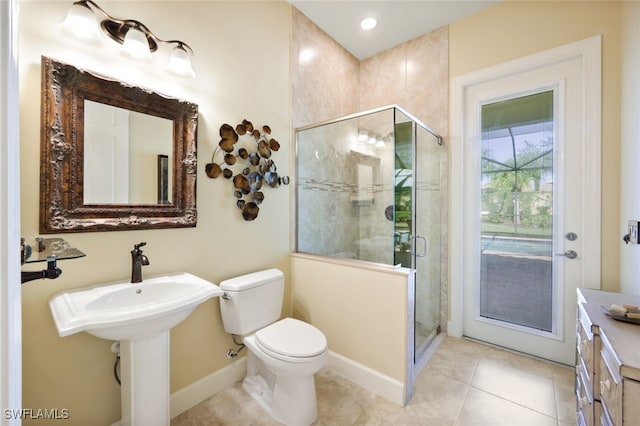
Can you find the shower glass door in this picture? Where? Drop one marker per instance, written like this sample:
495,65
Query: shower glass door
418,157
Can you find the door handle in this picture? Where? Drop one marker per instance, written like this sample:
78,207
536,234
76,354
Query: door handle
569,254
414,240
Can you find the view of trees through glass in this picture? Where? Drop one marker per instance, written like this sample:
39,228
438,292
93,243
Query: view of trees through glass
517,178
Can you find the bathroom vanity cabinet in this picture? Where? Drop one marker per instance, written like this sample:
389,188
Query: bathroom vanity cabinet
607,362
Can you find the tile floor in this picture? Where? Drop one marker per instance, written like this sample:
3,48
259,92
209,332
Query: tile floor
465,383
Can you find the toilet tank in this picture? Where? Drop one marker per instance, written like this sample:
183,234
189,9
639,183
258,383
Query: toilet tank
251,302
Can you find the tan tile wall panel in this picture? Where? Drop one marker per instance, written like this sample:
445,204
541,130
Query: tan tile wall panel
413,75
324,75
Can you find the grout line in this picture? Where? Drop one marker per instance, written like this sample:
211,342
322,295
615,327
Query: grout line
464,398
466,393
519,404
515,352
555,398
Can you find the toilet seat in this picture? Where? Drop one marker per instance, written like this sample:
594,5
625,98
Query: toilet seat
291,338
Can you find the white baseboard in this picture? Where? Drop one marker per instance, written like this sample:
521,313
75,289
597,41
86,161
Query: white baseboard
370,379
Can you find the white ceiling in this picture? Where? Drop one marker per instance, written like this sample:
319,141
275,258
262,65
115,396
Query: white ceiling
398,20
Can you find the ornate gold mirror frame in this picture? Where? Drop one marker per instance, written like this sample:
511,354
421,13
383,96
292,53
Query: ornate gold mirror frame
62,207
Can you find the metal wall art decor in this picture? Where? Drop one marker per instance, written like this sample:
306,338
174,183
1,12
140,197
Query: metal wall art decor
247,151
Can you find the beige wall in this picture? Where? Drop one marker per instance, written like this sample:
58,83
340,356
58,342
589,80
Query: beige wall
515,29
630,141
242,65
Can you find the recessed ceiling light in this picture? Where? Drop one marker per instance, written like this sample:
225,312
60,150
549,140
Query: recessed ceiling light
305,56
368,23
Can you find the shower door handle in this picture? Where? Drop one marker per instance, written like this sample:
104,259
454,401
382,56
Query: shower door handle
414,245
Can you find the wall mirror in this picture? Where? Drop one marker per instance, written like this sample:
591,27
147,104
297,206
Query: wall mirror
113,156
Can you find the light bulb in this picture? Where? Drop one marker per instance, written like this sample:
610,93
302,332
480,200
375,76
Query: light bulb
136,45
81,23
305,56
180,63
368,23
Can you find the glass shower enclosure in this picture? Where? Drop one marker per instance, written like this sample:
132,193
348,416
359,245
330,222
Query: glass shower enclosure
368,189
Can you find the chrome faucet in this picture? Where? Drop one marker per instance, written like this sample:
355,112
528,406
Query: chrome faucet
138,260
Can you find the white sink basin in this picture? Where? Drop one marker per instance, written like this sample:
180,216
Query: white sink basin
125,311
140,317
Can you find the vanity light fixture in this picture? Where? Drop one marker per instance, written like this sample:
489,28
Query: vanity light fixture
137,40
81,23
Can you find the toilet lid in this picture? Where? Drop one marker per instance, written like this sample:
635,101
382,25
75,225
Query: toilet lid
293,338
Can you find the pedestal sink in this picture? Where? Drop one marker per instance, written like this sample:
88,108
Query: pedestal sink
140,317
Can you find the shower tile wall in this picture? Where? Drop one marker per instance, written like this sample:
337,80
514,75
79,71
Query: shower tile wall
413,75
332,83
329,82
325,77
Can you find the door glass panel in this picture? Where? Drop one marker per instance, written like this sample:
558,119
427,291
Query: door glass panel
417,222
516,279
428,203
403,191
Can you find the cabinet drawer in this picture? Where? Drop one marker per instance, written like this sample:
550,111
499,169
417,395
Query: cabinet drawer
597,348
597,413
585,348
584,398
631,402
610,385
605,420
588,348
580,419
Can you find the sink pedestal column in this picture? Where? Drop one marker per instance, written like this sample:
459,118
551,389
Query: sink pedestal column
144,366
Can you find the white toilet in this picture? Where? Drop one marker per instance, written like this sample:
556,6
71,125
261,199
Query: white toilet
283,355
